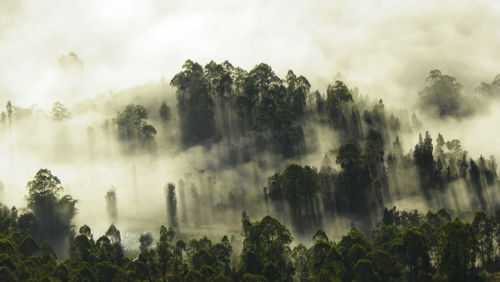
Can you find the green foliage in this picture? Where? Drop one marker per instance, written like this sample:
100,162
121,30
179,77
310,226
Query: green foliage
297,186
53,213
395,252
414,255
456,258
133,128
297,91
442,96
165,112
59,112
195,105
264,106
171,205
364,271
352,193
145,240
483,227
338,95
266,241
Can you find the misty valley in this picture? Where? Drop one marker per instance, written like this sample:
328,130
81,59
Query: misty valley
225,174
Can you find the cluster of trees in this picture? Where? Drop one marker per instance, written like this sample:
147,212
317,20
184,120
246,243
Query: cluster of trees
405,246
220,100
490,89
59,112
443,96
357,190
294,192
443,163
171,205
372,168
343,114
13,112
133,128
8,113
259,111
360,185
49,213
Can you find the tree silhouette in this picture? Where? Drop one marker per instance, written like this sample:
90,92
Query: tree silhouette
54,212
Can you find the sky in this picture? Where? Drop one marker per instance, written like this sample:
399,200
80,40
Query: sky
385,49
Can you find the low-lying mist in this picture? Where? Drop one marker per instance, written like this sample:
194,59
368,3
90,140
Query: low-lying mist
99,98
118,182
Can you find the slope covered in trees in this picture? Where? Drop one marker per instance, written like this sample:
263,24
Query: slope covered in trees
405,246
232,140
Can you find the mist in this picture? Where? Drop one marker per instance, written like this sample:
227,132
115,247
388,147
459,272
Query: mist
129,51
377,47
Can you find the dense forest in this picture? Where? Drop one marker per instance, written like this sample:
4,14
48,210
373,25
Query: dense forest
369,193
405,246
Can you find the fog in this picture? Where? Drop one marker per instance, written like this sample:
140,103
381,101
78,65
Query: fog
130,50
386,49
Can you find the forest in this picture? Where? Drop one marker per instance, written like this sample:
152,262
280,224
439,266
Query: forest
226,174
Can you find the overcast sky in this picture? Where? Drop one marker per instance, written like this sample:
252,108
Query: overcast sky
385,49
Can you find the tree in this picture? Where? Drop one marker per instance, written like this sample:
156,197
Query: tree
276,110
86,231
325,263
195,105
439,151
266,241
363,271
477,184
415,255
9,109
112,244
29,225
426,167
297,91
455,254
218,77
53,212
298,186
442,96
165,112
163,248
111,206
113,234
352,192
145,240
81,249
385,265
133,128
171,205
337,97
483,227
59,112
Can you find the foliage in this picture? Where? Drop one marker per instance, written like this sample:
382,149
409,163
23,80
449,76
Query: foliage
133,128
297,186
195,105
52,212
395,252
59,112
442,96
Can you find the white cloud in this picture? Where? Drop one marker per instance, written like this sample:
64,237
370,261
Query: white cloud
385,48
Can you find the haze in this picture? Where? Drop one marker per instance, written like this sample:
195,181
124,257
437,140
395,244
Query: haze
386,49
127,47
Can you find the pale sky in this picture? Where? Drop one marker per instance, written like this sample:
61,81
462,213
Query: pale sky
386,49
